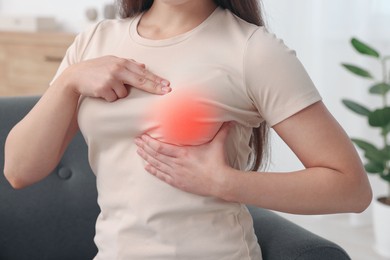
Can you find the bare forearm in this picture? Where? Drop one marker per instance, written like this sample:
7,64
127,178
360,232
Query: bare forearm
310,191
35,144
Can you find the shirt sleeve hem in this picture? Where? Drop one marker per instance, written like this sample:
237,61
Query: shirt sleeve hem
294,108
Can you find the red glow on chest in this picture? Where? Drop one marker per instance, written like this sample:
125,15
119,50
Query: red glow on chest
184,118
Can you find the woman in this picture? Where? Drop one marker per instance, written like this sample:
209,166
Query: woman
228,67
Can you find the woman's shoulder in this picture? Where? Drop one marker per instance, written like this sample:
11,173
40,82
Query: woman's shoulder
235,24
251,34
108,29
108,26
266,45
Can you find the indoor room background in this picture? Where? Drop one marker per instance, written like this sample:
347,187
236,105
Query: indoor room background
319,31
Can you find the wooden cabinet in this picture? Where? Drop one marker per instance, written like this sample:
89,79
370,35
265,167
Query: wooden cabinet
29,61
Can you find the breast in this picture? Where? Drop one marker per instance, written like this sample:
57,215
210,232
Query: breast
182,117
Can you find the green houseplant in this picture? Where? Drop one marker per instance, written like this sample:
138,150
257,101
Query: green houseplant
377,158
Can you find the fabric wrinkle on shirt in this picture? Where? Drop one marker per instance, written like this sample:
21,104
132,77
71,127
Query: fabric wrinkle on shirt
243,73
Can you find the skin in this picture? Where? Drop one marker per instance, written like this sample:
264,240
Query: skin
35,145
168,18
333,180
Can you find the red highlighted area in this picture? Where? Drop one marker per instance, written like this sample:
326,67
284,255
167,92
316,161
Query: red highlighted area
185,119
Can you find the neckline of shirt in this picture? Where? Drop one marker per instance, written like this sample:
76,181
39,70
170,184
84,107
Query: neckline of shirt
133,31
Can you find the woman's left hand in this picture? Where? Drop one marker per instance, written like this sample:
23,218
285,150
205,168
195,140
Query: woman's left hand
201,170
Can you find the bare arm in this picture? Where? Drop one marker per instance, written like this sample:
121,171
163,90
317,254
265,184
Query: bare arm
333,179
35,145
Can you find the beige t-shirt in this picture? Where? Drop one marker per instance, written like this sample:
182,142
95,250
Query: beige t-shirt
243,73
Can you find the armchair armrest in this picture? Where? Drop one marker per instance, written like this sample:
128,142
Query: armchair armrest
280,239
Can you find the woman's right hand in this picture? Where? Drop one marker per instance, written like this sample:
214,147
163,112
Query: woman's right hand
110,78
36,144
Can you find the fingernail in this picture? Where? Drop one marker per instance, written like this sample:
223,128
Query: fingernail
165,82
166,90
137,141
141,64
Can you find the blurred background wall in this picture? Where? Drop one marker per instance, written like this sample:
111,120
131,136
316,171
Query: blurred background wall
70,13
319,30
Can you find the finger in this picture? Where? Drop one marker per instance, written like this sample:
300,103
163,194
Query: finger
135,67
140,69
160,175
109,95
153,161
154,84
141,82
138,63
162,148
147,80
120,90
154,78
154,154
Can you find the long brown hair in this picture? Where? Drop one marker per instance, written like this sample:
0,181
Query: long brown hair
248,10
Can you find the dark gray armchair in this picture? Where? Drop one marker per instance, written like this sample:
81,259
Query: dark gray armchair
55,218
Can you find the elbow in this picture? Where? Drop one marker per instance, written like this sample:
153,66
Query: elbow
363,198
364,202
13,180
21,176
17,185
355,193
12,168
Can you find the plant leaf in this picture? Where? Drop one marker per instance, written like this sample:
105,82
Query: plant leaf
355,107
385,177
357,70
376,156
386,150
373,167
371,152
364,145
363,48
379,117
385,130
380,89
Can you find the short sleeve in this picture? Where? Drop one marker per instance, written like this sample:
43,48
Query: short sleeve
275,79
74,53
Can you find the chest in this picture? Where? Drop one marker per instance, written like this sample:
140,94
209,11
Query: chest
214,76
